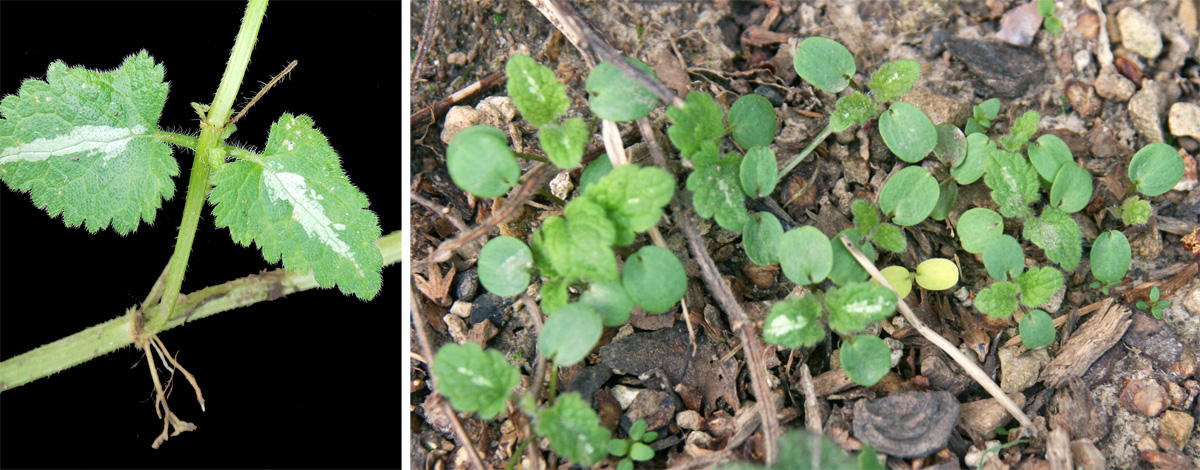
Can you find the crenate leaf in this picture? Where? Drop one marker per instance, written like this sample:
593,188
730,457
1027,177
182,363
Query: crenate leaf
824,63
1155,169
857,305
610,300
616,97
574,429
654,279
1021,131
761,237
1013,181
717,190
504,265
1135,211
759,172
570,334
1049,154
698,121
474,379
998,300
805,255
597,169
866,359
554,294
907,131
1072,190
83,144
979,146
564,143
1037,330
633,198
480,162
894,79
890,238
866,215
752,121
909,196
1110,256
855,108
1038,285
295,203
1004,258
978,227
793,323
845,268
535,90
1057,233
579,246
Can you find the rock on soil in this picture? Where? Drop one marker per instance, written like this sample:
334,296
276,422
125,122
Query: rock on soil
1184,120
1139,33
1146,110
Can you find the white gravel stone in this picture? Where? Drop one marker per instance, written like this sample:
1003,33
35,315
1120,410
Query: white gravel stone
1184,119
1139,33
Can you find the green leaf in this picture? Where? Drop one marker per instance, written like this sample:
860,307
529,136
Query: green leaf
615,96
1072,190
618,447
978,227
579,246
869,460
83,144
474,379
1013,181
641,452
759,172
899,278
1110,257
1037,330
1003,258
855,108
625,464
574,429
597,169
296,203
987,111
480,161
1038,285
793,323
564,143
761,237
1045,7
998,300
947,196
890,238
504,265
554,294
845,268
979,146
909,196
1053,25
802,450
1049,154
717,190
1155,169
570,334
633,198
1135,211
654,279
866,359
610,300
937,274
857,305
637,430
951,146
752,120
1057,233
824,63
535,90
806,255
866,215
698,121
650,436
894,79
907,131
1021,131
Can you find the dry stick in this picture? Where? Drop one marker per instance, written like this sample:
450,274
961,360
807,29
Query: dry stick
441,210
435,111
539,372
263,91
973,370
419,323
431,18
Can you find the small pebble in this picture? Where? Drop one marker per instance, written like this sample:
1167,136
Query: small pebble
1176,426
1139,33
457,58
1184,119
1111,85
466,285
1146,110
1088,24
461,309
688,419
771,94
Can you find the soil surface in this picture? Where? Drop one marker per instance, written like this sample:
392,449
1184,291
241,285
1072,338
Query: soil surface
1131,408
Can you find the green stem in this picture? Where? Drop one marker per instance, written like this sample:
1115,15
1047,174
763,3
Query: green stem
210,140
807,150
553,390
118,333
532,157
187,141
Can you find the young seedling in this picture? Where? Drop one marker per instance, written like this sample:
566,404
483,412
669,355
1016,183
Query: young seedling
1154,306
635,448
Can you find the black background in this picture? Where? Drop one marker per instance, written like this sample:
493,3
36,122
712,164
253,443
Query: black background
310,380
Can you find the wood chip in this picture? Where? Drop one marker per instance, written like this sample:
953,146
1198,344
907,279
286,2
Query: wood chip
1092,339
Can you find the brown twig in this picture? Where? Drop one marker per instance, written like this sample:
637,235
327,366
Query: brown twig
431,17
435,111
441,210
263,91
539,371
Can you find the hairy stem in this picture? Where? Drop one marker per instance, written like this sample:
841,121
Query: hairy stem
119,332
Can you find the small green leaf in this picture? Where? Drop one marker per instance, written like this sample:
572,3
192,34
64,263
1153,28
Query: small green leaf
650,436
907,131
909,196
761,237
793,323
615,96
481,163
717,190
578,246
570,334
759,172
637,430
899,278
890,238
987,111
574,429
1135,211
618,447
1021,131
824,63
1110,257
855,108
998,300
633,198
1072,190
83,144
1053,25
295,203
866,359
1013,181
951,146
504,265
845,268
979,146
535,90
978,227
698,121
947,196
1003,257
597,169
1038,285
641,452
894,79
857,305
866,215
1037,330
805,255
474,379
610,300
564,143
1049,154
803,450
554,294
1045,7
1057,233
654,279
937,274
1155,169
869,460
752,120
625,464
